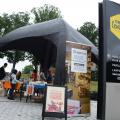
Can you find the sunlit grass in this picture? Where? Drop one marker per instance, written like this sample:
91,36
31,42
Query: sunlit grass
94,86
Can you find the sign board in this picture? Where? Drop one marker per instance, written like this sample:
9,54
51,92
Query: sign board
78,60
73,107
108,104
55,103
78,77
55,99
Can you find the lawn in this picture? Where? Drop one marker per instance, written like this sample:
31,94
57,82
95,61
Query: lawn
25,76
94,86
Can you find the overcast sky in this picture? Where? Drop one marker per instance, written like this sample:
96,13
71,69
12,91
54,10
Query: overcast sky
74,12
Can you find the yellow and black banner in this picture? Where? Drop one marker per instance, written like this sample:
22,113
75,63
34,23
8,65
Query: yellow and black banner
109,64
113,42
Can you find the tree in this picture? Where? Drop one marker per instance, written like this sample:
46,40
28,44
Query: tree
45,13
13,21
9,23
27,69
90,31
15,56
35,62
2,54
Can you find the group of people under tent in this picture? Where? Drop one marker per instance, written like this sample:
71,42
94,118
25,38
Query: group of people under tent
9,81
13,80
47,76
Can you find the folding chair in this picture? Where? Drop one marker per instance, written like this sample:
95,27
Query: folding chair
29,91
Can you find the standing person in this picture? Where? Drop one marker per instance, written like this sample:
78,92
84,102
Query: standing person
18,76
13,84
2,71
2,75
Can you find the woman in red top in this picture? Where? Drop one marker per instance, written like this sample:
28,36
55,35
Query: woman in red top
34,75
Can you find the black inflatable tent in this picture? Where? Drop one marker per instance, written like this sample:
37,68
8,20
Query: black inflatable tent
47,41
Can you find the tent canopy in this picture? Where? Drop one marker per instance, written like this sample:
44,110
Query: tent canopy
46,41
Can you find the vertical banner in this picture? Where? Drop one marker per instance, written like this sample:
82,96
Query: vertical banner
78,69
111,60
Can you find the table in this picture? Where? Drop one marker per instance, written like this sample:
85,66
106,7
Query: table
35,89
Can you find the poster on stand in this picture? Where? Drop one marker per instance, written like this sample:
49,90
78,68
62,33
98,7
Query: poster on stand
55,102
78,77
55,98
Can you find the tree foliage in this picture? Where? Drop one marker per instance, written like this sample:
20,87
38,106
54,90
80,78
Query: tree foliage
15,56
9,23
13,21
45,13
2,54
27,69
35,62
90,31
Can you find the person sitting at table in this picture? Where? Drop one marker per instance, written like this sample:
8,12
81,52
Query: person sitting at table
34,75
49,77
13,84
42,76
6,84
38,90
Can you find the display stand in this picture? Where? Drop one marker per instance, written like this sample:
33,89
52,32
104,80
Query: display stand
55,102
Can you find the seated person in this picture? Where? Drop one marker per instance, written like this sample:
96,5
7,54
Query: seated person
34,75
13,84
49,77
42,76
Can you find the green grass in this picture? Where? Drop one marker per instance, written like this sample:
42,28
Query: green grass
94,86
25,76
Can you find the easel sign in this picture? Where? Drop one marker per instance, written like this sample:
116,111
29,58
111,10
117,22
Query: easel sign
55,103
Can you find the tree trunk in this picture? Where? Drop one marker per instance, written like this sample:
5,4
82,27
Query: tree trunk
35,67
14,63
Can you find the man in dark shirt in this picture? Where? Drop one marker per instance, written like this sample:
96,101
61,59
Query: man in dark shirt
2,71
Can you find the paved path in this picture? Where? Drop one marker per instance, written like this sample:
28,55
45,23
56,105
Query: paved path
16,110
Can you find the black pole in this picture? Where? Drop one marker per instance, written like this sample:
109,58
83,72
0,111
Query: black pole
102,61
101,83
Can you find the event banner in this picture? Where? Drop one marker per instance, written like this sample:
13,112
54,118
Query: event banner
78,76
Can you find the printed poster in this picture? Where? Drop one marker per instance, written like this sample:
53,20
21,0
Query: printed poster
55,99
78,60
73,107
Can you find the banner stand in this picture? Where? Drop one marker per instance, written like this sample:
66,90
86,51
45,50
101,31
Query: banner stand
53,107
